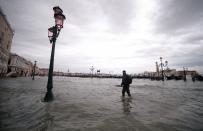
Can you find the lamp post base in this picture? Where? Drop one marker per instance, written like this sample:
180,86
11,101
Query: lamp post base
49,96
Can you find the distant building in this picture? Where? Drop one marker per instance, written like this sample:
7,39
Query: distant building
149,73
181,73
44,71
58,73
170,72
19,65
6,36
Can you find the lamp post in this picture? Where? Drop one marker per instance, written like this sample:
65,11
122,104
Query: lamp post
162,65
185,73
33,73
91,69
53,33
157,69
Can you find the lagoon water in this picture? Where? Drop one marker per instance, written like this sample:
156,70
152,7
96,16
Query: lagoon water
85,104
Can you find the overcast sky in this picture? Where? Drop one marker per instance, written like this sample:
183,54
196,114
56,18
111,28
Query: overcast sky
110,35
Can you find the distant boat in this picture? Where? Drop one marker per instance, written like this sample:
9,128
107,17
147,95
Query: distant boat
199,77
170,77
178,77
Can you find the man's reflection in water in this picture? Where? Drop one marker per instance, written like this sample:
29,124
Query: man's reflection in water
126,104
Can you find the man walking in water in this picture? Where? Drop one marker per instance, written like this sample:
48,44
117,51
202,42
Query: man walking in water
126,81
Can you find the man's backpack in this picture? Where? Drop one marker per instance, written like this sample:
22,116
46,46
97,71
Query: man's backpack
129,80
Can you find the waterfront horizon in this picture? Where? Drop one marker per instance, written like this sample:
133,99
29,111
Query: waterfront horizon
111,36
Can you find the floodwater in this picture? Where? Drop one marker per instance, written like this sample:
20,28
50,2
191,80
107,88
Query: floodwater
85,104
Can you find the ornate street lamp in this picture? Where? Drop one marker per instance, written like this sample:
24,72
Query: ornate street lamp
33,73
91,69
163,65
57,9
53,33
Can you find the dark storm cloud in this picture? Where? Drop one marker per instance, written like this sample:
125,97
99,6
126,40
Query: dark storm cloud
177,16
116,13
182,21
193,39
187,61
188,55
29,20
119,13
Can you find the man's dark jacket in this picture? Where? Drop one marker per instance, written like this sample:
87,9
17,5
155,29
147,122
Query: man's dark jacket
125,80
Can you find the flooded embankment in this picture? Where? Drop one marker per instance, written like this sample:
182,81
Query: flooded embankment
96,105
